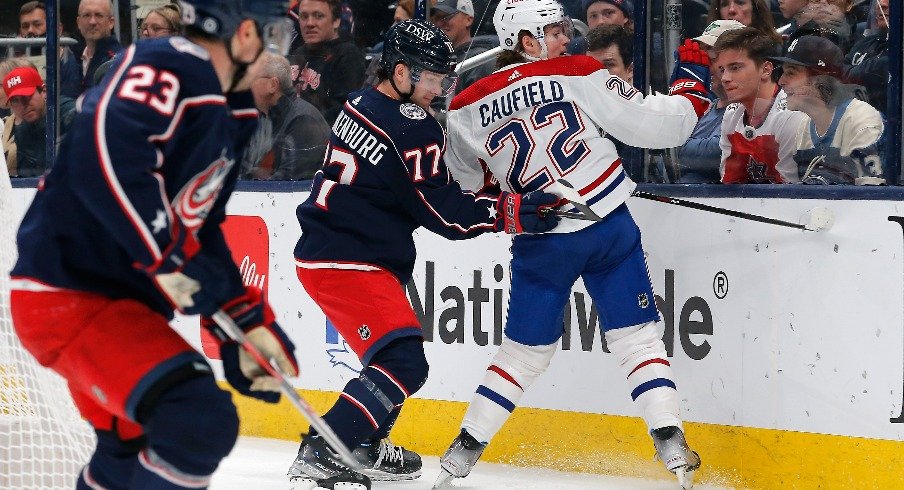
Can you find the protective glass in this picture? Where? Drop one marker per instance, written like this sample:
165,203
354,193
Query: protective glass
277,36
437,83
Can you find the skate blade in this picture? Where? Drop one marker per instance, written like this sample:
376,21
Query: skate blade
303,483
685,478
384,476
444,479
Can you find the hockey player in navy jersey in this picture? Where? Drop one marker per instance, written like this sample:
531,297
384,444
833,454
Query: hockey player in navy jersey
383,178
125,229
540,118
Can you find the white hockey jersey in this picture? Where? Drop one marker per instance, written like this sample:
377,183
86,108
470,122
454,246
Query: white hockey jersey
534,123
764,154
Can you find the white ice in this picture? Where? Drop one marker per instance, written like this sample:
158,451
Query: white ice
261,464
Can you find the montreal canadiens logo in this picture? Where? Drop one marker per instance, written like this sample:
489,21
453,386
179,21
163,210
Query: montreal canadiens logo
412,111
195,200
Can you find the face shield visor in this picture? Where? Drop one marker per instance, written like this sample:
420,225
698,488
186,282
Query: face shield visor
435,83
277,36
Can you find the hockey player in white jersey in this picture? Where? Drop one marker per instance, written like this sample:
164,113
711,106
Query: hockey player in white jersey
540,118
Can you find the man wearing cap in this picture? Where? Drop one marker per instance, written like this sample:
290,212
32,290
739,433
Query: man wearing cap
838,143
604,12
698,159
27,99
455,18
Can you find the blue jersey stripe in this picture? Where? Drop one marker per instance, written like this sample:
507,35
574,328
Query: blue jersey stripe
608,190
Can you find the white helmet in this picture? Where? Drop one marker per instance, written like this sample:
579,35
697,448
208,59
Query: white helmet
514,16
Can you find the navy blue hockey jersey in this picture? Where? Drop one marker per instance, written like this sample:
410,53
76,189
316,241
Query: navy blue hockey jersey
384,177
152,148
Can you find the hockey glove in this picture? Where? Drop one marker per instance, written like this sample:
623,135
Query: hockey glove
254,317
526,213
183,287
691,78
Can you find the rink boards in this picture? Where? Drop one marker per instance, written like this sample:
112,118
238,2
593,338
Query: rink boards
787,345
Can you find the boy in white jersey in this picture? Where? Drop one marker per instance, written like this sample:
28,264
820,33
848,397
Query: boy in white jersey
529,125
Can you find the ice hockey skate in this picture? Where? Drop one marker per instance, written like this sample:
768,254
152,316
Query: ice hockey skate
672,450
461,456
384,461
317,466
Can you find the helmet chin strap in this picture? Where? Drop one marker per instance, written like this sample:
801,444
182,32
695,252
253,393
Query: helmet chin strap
405,97
544,52
241,66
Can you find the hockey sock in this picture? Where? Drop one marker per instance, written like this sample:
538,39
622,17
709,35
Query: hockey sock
386,426
190,427
367,402
512,371
642,358
113,462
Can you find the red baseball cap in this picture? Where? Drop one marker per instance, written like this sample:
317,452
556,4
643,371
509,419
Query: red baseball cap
22,81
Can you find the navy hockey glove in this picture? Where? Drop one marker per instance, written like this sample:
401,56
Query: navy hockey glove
690,78
253,315
526,213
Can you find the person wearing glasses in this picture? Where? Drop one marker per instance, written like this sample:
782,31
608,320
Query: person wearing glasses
161,21
95,22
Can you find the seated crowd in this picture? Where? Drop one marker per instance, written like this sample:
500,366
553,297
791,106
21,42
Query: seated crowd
799,86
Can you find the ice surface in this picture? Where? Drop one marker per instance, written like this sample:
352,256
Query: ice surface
261,464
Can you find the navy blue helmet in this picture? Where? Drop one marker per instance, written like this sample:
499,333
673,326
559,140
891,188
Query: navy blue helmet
221,18
419,45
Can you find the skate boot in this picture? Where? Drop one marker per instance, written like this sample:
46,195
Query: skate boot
672,450
384,461
461,456
318,466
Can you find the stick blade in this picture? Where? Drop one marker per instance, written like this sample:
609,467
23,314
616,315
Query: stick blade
567,191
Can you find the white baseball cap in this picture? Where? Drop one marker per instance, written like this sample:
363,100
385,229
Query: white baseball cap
452,6
715,29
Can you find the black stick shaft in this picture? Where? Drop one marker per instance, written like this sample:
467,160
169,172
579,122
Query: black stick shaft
717,210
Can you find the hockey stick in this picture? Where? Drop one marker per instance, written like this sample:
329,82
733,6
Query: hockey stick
820,218
233,331
473,61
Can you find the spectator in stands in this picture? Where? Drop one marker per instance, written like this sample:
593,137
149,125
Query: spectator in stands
404,10
27,96
759,136
161,21
751,13
95,22
699,158
455,18
867,62
326,68
32,19
10,121
291,137
613,46
33,24
825,18
604,12
790,9
838,143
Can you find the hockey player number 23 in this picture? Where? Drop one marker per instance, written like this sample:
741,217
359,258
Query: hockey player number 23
563,153
138,87
349,164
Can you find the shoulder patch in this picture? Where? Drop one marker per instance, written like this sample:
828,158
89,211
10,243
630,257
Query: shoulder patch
412,111
183,45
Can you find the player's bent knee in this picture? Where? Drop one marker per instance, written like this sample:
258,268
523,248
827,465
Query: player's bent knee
635,339
192,425
403,361
527,360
